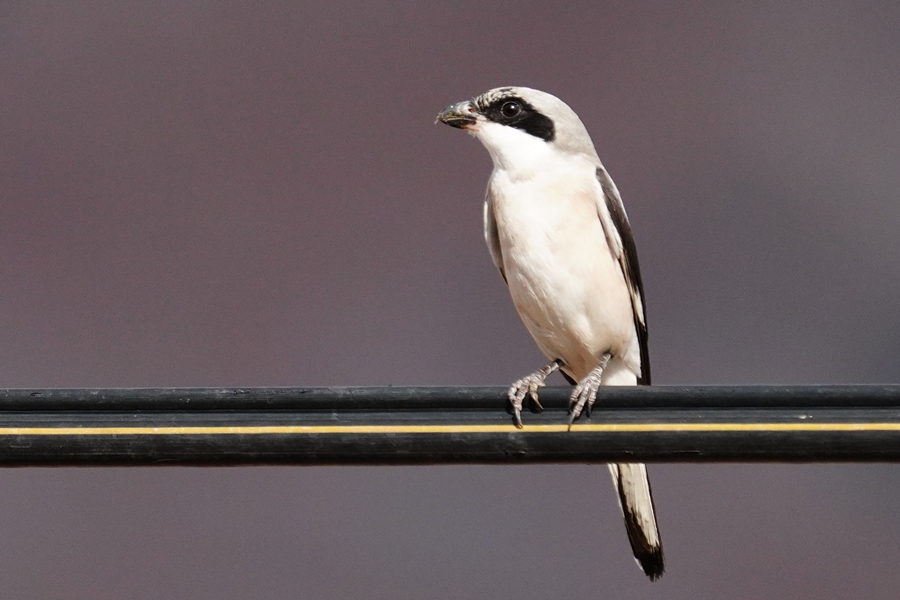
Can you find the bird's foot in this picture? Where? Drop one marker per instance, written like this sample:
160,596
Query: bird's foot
528,386
586,391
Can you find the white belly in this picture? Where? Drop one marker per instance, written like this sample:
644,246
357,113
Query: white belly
565,283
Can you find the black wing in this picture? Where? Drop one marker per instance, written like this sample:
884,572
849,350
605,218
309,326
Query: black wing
491,235
628,260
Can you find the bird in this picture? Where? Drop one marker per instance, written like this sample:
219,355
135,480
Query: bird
558,233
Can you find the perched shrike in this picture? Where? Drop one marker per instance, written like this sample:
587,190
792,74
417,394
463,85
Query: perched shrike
558,233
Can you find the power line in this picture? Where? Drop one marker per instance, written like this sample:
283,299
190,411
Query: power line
444,425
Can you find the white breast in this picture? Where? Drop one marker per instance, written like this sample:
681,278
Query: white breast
565,283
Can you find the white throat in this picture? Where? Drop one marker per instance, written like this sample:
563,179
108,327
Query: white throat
518,153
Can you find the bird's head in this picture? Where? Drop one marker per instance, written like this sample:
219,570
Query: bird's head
520,125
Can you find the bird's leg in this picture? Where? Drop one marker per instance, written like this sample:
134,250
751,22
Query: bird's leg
528,386
586,391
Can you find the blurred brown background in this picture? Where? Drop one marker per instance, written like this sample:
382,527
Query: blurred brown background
206,193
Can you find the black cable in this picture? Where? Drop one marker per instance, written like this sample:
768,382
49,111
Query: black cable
444,425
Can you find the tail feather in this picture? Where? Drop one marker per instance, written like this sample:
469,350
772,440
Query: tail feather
636,501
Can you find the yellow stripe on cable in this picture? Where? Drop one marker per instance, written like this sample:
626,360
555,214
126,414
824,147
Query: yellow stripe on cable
370,429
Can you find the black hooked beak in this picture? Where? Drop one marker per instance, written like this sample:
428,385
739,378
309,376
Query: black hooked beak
459,115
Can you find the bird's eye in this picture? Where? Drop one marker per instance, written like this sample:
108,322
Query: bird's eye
510,109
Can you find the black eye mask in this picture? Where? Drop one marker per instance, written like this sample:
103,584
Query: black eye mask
515,112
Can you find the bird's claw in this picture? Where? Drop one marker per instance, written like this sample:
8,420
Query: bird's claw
528,386
585,393
583,397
